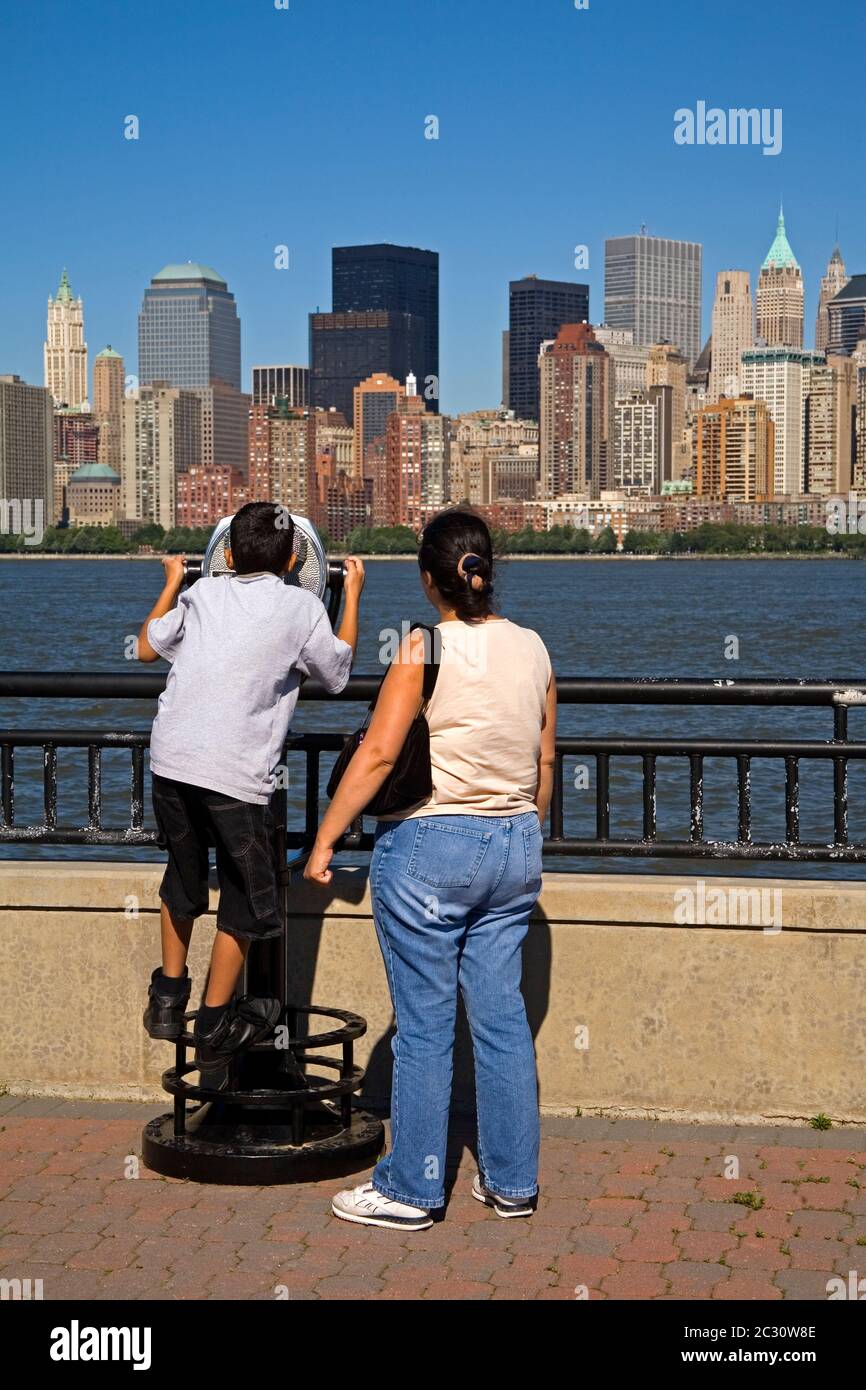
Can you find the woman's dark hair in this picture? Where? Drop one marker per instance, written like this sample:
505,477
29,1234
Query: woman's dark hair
262,537
457,552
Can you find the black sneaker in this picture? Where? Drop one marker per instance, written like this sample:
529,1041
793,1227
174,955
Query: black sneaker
163,1017
503,1206
245,1021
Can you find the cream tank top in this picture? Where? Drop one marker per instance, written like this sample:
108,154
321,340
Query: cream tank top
485,718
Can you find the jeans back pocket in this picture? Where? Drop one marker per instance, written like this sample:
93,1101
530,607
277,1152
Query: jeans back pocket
533,840
447,856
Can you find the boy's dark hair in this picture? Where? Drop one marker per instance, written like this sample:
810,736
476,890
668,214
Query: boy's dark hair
262,537
457,552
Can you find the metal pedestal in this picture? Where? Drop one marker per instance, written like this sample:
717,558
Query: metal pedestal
286,1113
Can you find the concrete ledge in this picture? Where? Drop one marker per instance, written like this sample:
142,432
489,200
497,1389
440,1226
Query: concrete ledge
726,1023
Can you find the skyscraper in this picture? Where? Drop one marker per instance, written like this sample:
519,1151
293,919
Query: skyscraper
830,442
537,309
108,387
636,443
835,280
161,439
666,366
189,333
629,359
781,376
735,446
652,285
416,461
347,348
225,421
733,332
65,351
577,420
76,443
374,400
847,317
859,359
281,383
26,469
397,280
780,295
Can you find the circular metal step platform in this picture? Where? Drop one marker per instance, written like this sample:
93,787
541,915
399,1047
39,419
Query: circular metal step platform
273,1122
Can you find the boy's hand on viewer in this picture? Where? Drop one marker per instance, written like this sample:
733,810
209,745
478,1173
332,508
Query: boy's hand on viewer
174,569
355,576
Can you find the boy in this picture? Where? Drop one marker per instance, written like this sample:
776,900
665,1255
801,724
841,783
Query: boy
238,645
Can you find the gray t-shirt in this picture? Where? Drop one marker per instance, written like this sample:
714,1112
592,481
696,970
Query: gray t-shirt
238,645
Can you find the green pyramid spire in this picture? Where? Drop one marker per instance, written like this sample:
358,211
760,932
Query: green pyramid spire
65,291
780,255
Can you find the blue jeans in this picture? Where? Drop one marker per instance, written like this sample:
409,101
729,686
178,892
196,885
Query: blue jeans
452,896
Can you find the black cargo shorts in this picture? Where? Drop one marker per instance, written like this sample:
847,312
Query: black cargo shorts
189,820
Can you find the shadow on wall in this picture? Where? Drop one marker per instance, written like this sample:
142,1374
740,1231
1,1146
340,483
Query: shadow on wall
303,956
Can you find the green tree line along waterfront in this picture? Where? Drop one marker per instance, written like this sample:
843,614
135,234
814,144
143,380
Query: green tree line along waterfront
710,538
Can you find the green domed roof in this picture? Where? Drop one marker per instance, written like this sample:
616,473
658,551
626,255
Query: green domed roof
192,270
108,352
780,254
94,473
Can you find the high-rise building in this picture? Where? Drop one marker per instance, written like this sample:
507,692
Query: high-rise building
781,376
161,438
394,280
65,350
347,348
666,366
629,359
537,309
281,383
205,495
859,359
26,454
374,400
76,443
733,333
493,456
830,441
735,450
576,426
417,466
189,333
342,502
636,447
108,387
285,446
780,295
506,367
652,285
225,421
832,283
847,317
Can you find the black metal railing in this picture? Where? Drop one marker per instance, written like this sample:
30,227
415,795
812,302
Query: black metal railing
836,753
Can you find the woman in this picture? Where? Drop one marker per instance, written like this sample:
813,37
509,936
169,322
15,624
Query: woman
454,881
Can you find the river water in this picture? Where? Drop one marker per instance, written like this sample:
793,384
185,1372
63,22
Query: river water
728,620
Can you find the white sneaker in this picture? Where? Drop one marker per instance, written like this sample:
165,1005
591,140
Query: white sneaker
367,1207
503,1206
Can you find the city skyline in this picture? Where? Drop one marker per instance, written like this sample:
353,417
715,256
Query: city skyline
471,194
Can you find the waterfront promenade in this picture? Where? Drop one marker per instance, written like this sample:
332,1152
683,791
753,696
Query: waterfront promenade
629,1209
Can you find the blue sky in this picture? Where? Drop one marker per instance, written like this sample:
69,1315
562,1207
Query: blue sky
305,127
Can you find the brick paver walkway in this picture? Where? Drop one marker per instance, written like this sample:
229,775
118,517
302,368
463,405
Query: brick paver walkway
629,1209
